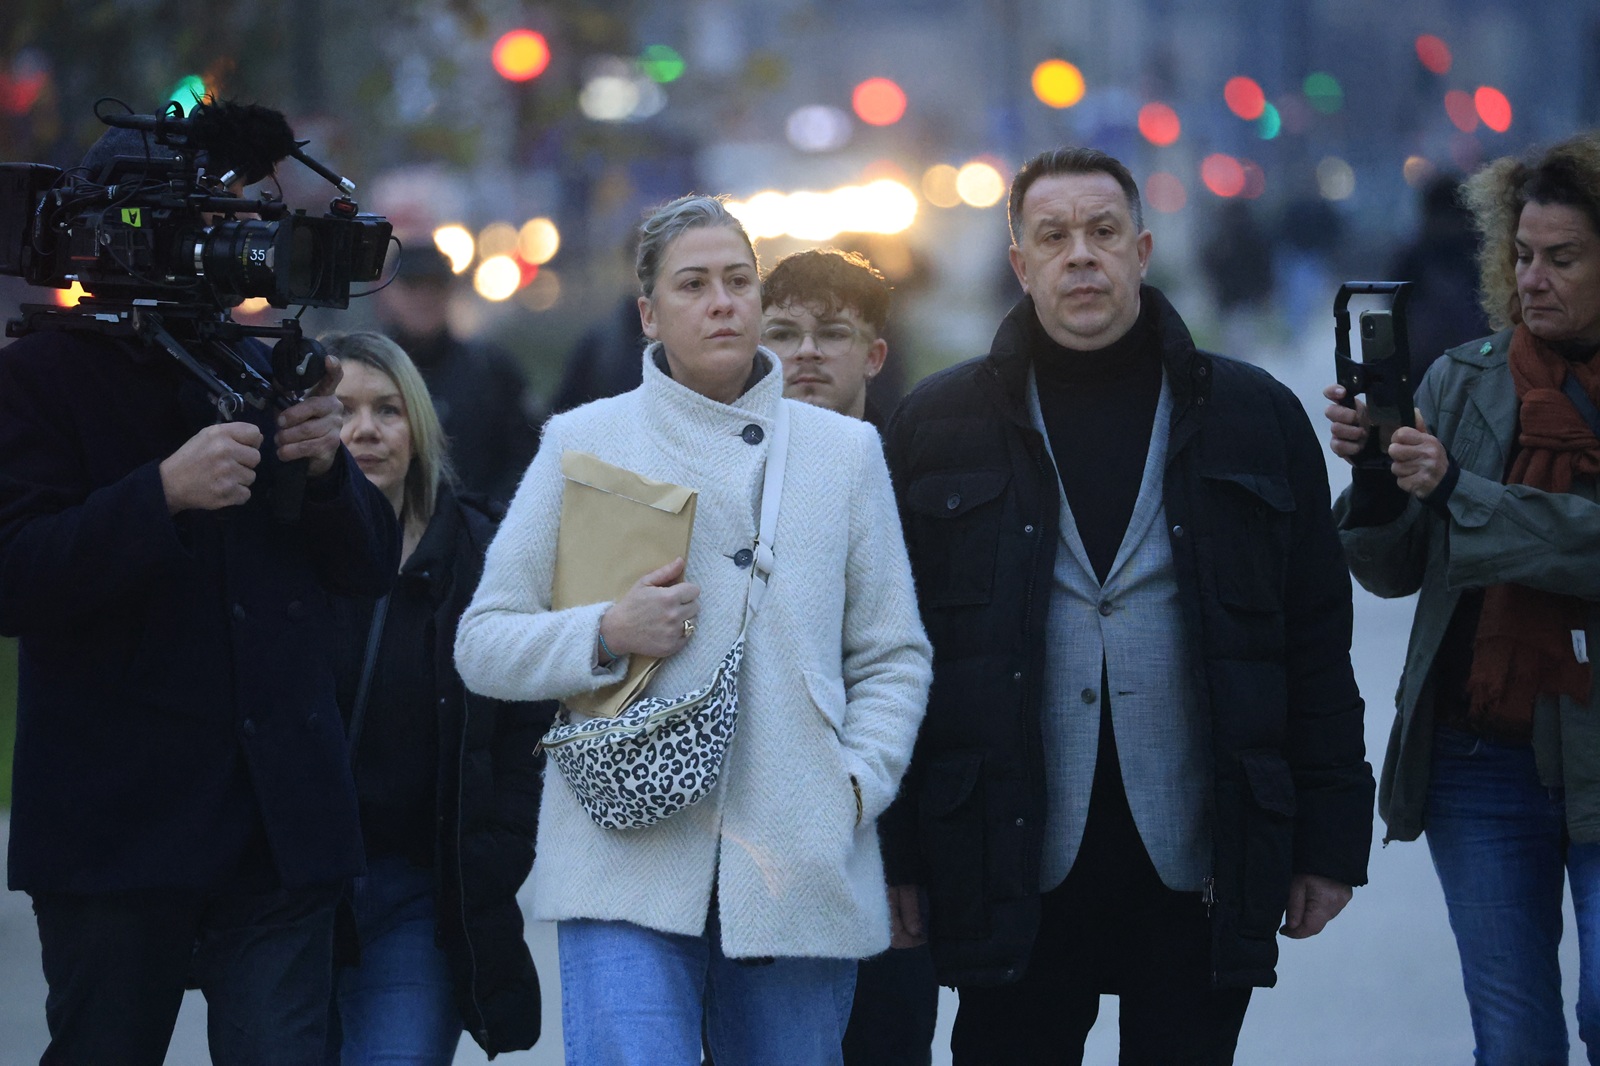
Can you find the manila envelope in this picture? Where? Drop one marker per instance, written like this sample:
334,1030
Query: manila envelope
616,526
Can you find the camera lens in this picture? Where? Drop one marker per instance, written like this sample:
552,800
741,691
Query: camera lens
239,257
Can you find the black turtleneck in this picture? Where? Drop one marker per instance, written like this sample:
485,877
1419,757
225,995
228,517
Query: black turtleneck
1098,409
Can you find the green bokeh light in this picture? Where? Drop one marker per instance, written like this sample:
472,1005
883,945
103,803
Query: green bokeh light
189,91
1270,124
661,64
1323,92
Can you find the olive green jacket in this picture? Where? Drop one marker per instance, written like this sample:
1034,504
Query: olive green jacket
1495,533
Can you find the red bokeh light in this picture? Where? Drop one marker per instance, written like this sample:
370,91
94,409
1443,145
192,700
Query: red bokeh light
1493,107
878,102
1462,111
1223,174
1159,124
1165,192
1244,97
1434,54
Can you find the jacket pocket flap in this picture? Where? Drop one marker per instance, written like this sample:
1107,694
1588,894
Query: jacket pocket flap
1271,782
954,494
828,695
949,782
1271,489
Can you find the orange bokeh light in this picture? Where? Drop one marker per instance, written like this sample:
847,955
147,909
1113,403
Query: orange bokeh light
521,55
1223,174
878,102
1244,97
1461,109
1493,107
1434,54
1159,124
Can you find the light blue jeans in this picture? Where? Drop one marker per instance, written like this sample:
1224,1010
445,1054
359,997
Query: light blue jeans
398,1007
1499,843
631,996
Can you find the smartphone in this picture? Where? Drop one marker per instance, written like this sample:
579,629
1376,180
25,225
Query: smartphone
1388,379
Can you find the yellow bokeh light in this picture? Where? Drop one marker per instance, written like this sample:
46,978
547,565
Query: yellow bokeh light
1417,171
1057,83
939,186
884,206
256,305
457,245
980,185
497,278
538,241
497,238
69,296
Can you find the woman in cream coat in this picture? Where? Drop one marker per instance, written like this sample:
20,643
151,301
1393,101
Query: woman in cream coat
749,908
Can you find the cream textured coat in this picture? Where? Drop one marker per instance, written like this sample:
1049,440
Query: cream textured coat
833,685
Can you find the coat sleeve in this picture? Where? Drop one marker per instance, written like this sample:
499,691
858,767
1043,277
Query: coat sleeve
350,530
1326,745
511,645
888,661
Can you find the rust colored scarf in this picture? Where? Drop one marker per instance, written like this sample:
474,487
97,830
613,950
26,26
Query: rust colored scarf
1524,642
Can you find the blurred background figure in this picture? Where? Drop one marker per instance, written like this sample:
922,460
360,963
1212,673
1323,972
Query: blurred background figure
1311,234
489,415
1237,261
448,781
605,361
1441,263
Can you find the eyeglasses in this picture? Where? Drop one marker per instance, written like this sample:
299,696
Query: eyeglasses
834,338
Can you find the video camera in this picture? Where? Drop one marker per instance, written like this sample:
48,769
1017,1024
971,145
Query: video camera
155,241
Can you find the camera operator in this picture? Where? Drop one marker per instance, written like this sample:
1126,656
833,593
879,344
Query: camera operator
183,810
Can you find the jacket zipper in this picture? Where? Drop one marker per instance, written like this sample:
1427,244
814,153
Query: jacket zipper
1208,893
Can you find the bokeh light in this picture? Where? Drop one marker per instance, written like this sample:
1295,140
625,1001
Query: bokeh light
521,55
661,64
1222,174
538,241
979,184
542,293
1434,54
1493,107
1244,97
497,238
1159,124
609,97
1324,92
878,102
1255,180
69,296
1417,171
457,244
1165,192
817,128
1270,124
881,206
1336,179
497,278
1057,83
1461,109
939,186
190,90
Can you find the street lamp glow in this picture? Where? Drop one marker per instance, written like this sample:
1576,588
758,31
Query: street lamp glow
538,241
979,185
497,278
457,244
939,186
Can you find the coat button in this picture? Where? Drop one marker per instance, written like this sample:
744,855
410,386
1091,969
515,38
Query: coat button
1017,676
1177,531
238,612
742,557
954,501
1088,695
1020,823
249,727
1027,529
1105,608
752,434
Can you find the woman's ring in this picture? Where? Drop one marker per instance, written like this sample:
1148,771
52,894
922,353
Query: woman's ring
688,628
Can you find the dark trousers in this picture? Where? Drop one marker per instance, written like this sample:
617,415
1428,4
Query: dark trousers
1110,928
117,965
896,1007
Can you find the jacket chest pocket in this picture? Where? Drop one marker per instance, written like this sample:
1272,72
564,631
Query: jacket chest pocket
955,535
1251,518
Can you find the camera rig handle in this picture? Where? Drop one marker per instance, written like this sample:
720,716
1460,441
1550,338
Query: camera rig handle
1384,371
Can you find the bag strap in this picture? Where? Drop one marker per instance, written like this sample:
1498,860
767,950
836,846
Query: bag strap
358,711
1580,400
771,496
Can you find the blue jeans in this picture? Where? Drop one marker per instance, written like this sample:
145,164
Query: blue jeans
632,996
1499,843
398,1007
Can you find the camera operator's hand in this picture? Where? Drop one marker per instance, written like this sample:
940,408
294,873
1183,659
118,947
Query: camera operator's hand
310,429
1350,426
214,469
1418,460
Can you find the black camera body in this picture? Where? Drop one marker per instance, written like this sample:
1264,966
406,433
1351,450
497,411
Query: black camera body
160,227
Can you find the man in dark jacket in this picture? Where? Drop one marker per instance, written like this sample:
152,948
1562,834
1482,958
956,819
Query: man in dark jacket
183,808
1144,741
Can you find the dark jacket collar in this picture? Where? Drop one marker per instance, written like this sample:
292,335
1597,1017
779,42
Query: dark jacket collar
1188,370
